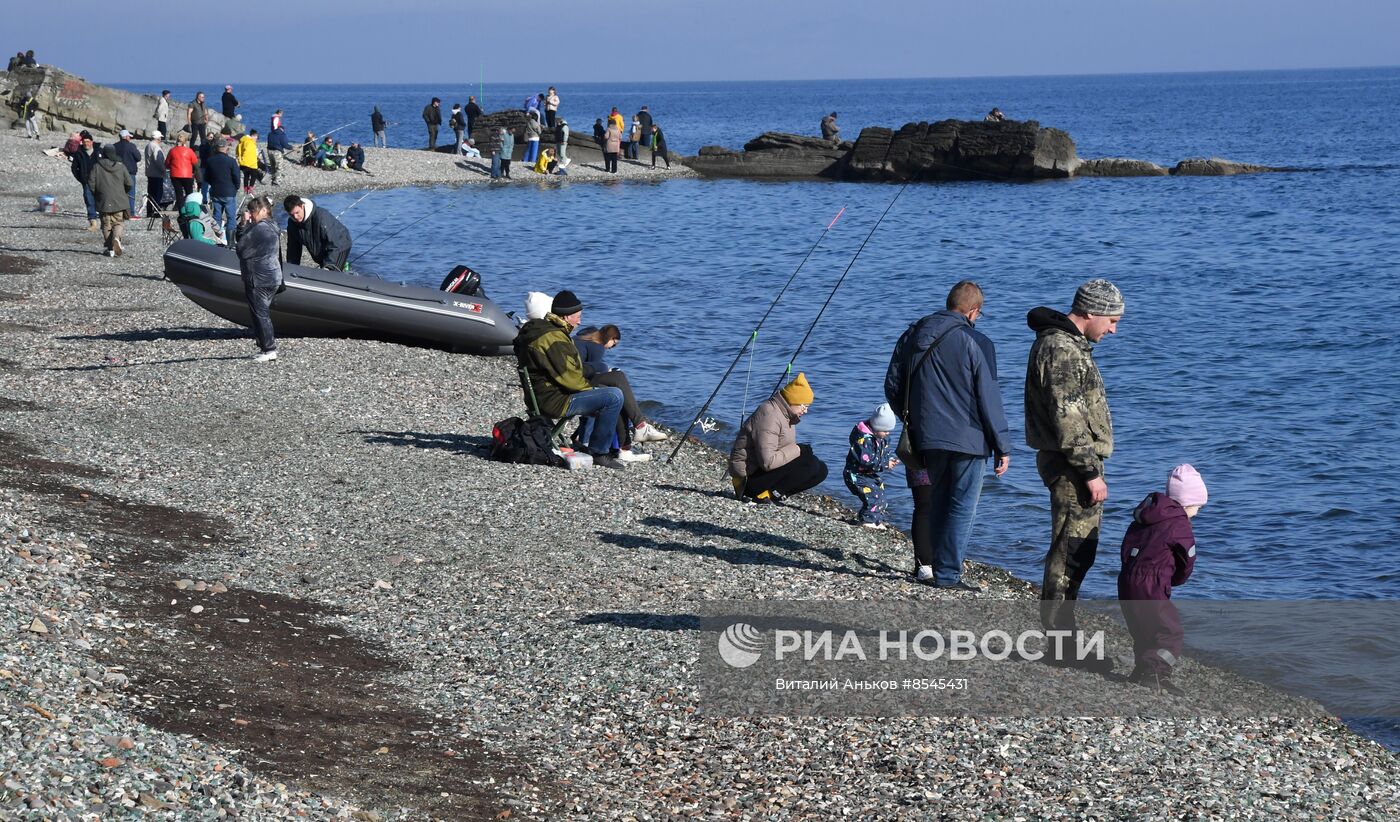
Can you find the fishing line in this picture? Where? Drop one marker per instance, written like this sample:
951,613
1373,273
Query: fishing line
753,337
788,369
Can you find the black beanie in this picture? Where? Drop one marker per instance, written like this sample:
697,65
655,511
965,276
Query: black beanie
565,303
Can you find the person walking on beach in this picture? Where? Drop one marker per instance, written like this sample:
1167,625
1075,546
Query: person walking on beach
112,186
869,456
612,145
551,106
247,153
532,138
500,161
223,178
1158,554
561,139
1069,426
153,156
317,231
81,165
548,354
472,111
766,463
162,112
830,131
259,249
376,125
432,118
943,378
458,123
658,146
181,162
198,117
228,104
130,156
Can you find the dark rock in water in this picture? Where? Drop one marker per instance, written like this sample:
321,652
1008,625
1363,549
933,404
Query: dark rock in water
1216,167
70,103
962,150
1119,167
773,154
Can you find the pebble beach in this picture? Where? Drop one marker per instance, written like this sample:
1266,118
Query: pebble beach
301,590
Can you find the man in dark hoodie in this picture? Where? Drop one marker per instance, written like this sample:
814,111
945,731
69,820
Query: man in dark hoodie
316,230
81,164
112,185
432,118
1068,424
944,373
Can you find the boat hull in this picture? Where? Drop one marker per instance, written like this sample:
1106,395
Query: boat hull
320,303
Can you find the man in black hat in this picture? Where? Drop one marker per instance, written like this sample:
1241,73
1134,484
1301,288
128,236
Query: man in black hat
545,349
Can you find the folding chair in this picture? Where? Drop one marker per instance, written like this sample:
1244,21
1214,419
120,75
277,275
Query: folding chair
556,425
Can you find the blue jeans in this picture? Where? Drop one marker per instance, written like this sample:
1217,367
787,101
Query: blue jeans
532,152
90,202
599,407
496,165
956,484
225,206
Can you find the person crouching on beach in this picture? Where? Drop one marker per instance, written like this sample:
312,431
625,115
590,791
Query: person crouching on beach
259,244
870,455
1159,553
766,464
318,231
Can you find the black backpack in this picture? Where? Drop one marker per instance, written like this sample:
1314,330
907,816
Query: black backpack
524,442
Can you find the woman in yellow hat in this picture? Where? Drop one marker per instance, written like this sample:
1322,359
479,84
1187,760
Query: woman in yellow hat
767,463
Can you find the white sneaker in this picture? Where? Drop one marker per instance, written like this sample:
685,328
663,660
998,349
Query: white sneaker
924,574
646,432
875,526
264,356
627,455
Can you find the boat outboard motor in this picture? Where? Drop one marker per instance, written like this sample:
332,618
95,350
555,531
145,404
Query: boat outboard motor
463,281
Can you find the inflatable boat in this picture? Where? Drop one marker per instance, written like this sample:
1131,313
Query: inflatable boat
321,303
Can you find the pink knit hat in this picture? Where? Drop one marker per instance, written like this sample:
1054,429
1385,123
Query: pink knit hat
1186,486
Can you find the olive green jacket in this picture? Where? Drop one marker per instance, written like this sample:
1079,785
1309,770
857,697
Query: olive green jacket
547,352
1066,405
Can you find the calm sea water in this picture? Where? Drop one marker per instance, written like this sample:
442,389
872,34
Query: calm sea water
1260,342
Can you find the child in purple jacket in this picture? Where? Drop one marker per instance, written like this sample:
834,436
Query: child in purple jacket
871,453
1159,552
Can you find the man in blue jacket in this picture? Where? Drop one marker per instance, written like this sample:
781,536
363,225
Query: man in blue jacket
943,378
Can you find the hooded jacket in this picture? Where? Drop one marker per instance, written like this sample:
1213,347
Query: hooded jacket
258,246
612,140
547,352
248,152
1066,406
954,399
82,163
111,183
321,234
1159,549
192,218
432,115
376,120
767,441
532,129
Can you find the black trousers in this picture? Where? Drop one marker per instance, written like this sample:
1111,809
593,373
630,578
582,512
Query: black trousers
260,306
610,161
505,168
155,191
797,476
921,529
549,117
164,131
251,176
184,187
663,154
631,412
432,138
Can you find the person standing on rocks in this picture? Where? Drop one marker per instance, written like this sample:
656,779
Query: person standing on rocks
162,112
766,463
181,162
376,125
472,111
599,132
228,104
658,146
112,186
432,118
154,158
82,163
277,135
644,117
831,131
222,176
532,138
500,161
1069,426
259,247
458,123
943,378
548,354
551,107
130,156
247,153
198,117
317,231
612,146
561,139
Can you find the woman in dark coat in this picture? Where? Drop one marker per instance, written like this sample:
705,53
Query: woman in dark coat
258,260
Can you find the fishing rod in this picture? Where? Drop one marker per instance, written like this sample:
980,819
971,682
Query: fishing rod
305,143
753,337
352,205
788,368
396,233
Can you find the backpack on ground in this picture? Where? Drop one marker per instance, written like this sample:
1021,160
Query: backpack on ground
524,442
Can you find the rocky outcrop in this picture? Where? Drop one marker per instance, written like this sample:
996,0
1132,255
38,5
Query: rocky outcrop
773,155
70,103
1216,167
1118,167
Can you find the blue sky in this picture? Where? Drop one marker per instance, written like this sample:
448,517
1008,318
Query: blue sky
410,41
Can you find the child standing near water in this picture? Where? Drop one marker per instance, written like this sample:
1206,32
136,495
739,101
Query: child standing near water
1159,552
871,453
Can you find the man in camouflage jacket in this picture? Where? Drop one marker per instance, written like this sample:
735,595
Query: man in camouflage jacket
1068,424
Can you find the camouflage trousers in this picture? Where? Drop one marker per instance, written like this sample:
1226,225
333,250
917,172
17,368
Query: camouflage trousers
1074,539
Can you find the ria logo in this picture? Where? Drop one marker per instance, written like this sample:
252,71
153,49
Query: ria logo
739,645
